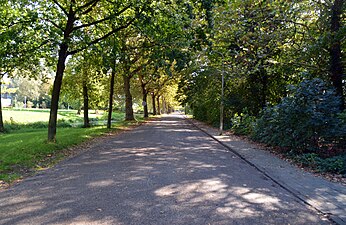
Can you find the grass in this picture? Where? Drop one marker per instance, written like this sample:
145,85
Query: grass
26,150
42,115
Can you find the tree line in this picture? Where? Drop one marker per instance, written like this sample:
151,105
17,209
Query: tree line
283,64
265,50
90,44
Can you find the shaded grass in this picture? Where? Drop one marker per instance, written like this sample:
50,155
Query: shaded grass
21,152
24,151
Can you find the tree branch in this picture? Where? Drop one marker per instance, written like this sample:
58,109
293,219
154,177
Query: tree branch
60,6
102,20
102,38
89,9
92,3
54,24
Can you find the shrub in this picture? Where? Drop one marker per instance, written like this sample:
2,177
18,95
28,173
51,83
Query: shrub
304,120
243,124
336,164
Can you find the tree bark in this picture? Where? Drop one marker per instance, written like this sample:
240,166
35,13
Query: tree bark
111,94
164,107
2,128
86,105
63,53
158,105
128,99
336,69
153,102
264,79
145,96
56,92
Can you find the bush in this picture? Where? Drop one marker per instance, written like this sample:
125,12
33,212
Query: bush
306,120
243,124
336,164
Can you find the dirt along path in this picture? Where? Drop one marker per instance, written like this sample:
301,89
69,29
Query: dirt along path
163,172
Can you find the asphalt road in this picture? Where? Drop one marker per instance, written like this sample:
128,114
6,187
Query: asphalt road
164,172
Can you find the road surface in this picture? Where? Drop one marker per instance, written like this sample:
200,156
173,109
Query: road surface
163,172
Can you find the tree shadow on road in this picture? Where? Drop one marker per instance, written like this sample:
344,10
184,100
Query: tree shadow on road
165,172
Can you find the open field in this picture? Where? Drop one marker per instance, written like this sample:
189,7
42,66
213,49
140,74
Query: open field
42,115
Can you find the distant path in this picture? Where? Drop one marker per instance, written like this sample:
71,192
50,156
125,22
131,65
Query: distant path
164,172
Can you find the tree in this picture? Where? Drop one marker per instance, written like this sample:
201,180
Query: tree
336,66
77,26
17,48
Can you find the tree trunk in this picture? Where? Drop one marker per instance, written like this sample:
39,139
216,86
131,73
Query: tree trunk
128,99
153,102
164,107
2,128
158,105
56,93
86,105
111,94
336,69
145,96
264,88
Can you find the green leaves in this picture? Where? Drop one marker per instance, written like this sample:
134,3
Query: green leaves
305,120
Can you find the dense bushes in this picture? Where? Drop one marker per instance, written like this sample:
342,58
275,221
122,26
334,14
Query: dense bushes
335,164
243,123
306,120
307,124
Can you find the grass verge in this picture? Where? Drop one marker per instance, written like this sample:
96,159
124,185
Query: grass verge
25,151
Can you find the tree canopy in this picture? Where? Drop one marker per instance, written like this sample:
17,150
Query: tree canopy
235,56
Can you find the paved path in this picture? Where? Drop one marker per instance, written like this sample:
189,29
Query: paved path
164,172
327,197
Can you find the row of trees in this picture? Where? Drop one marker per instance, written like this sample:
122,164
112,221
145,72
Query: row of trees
262,47
25,92
98,46
92,43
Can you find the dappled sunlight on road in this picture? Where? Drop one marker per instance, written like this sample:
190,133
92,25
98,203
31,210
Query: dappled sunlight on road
165,172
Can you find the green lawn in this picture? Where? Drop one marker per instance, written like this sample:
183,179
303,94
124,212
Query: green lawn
26,150
42,115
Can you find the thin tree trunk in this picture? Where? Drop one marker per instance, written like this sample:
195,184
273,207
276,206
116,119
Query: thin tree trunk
145,96
2,128
56,93
86,105
111,94
336,69
128,99
153,102
264,88
158,105
164,105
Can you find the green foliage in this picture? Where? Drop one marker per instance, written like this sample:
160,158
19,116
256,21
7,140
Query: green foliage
205,95
336,164
305,120
243,123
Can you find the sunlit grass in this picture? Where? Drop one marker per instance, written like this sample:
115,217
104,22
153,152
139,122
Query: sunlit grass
42,115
